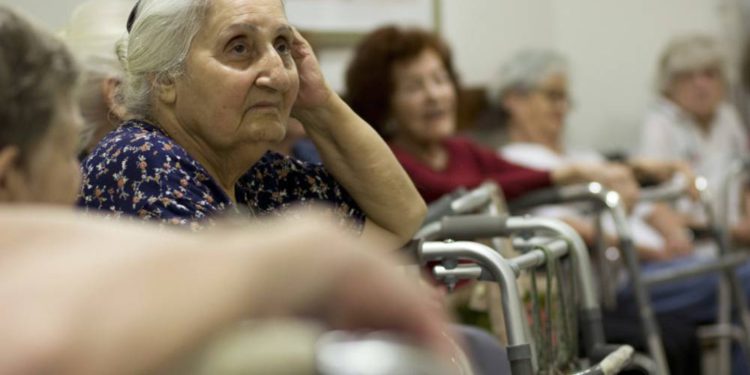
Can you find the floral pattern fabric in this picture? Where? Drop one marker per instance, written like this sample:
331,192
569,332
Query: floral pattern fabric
138,171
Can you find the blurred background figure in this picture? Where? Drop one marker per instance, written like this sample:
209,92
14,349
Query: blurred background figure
409,73
39,117
694,122
531,95
91,34
403,83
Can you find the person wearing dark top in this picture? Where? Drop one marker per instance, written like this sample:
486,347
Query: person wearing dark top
402,82
210,86
138,170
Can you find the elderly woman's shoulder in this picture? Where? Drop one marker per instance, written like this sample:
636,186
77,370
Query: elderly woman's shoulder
139,142
138,166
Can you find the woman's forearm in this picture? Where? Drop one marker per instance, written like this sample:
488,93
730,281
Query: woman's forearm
362,162
95,297
150,295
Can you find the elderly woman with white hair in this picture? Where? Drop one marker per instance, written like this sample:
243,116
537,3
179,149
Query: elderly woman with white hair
693,121
531,93
209,86
91,34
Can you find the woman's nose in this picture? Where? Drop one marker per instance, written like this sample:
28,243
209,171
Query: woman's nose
273,72
432,90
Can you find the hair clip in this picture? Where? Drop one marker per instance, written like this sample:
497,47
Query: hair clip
133,14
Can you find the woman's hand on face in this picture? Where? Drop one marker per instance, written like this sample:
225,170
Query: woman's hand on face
313,89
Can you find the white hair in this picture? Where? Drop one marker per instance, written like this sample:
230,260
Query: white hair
524,72
91,34
156,47
689,53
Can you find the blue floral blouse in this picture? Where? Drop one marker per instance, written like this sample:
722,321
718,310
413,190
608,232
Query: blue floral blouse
137,170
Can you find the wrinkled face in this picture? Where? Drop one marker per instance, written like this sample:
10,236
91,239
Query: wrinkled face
698,92
241,81
543,109
51,173
424,99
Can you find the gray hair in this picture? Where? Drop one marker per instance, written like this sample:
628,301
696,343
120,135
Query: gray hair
91,34
689,53
36,70
524,72
156,48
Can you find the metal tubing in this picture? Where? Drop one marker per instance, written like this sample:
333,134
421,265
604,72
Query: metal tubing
534,258
473,200
579,251
611,201
671,275
519,357
670,191
500,270
462,271
429,231
650,326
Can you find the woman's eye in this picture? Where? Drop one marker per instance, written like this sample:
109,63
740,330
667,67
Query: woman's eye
282,46
238,48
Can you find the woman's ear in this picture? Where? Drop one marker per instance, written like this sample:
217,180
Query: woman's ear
9,157
109,90
166,88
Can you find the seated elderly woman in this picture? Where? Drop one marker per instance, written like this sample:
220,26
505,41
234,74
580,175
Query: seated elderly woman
531,95
402,82
210,85
83,296
91,34
693,122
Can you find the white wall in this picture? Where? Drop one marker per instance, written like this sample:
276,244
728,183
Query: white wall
612,45
484,32
51,13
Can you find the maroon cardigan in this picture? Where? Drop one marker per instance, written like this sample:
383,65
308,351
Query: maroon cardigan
469,165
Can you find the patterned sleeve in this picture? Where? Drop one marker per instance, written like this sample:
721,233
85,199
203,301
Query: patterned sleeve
140,176
278,182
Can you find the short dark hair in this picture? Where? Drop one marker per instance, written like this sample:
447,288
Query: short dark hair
369,78
35,69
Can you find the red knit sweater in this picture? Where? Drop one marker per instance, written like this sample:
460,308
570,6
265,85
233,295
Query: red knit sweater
469,165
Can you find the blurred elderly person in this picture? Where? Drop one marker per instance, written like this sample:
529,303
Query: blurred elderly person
83,296
91,34
39,117
693,122
210,85
531,93
402,82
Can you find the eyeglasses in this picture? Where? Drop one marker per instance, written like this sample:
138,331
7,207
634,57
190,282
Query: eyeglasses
556,96
132,16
